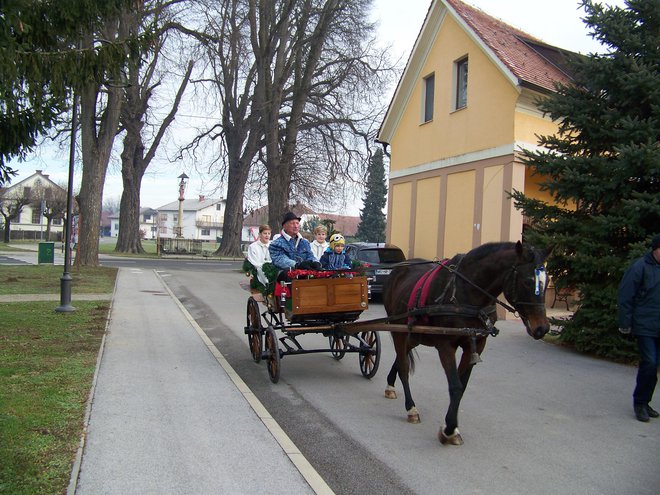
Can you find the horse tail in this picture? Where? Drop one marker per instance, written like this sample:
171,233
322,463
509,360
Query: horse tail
411,356
411,361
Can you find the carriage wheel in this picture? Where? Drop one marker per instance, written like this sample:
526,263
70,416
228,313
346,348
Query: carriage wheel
369,359
272,355
337,346
255,338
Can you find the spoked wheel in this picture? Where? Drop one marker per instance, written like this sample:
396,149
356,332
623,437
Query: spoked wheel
369,359
255,339
272,355
337,346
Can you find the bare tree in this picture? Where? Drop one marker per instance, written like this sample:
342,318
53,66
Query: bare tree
143,81
287,72
100,108
50,201
11,206
307,52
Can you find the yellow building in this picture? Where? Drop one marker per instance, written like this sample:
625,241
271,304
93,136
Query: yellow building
463,108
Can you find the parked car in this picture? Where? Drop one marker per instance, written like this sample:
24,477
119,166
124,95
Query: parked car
378,259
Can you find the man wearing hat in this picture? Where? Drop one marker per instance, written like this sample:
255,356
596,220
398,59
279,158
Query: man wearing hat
639,314
291,249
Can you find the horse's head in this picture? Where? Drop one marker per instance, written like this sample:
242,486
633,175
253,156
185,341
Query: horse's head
525,289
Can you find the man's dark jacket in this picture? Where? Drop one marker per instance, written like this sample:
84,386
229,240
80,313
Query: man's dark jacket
639,297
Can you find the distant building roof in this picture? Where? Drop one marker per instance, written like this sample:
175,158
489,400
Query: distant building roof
532,61
347,225
190,204
260,215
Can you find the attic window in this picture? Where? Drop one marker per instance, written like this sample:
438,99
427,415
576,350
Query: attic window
460,83
429,94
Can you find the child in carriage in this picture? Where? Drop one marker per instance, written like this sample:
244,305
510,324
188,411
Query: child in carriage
335,257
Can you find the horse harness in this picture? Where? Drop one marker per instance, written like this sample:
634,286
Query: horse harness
419,310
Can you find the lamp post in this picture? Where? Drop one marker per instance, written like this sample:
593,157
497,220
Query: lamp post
182,189
65,282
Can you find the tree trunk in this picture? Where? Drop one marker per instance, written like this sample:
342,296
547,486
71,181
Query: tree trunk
233,218
132,171
96,151
7,230
49,221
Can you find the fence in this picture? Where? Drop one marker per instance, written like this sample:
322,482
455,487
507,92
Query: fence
31,235
179,246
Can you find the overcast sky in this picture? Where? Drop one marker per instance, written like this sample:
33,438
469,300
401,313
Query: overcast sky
557,22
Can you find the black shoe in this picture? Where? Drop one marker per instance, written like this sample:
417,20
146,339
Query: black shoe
652,412
641,412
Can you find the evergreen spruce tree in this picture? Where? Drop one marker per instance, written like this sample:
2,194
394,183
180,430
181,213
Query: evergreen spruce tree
372,224
602,169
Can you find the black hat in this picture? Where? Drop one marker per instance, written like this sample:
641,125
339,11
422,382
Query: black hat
655,242
289,215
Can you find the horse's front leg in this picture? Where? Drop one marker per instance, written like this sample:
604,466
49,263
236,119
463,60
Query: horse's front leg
450,434
390,392
466,364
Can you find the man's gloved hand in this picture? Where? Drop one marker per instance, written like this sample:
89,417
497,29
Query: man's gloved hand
308,265
624,331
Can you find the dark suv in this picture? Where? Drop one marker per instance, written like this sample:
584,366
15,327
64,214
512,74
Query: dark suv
378,260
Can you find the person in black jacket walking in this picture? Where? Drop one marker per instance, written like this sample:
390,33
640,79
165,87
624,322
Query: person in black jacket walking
639,314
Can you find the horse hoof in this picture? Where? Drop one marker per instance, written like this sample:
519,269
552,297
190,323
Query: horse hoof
390,393
453,439
413,415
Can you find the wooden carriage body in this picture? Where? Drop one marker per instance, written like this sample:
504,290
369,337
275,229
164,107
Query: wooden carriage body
315,297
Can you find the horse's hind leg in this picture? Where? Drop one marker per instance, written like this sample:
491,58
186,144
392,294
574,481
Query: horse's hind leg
450,434
390,393
402,366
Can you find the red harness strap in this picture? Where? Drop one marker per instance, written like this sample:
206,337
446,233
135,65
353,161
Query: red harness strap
420,293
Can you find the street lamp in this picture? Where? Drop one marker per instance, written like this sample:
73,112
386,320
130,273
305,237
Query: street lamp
182,189
65,281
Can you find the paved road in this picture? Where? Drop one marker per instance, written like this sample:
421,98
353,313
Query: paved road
536,418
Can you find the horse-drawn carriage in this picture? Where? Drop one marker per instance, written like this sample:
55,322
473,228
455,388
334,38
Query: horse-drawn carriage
312,303
446,305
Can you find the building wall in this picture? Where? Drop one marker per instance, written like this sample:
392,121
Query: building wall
450,177
487,121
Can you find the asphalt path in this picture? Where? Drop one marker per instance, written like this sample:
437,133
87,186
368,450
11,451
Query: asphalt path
536,418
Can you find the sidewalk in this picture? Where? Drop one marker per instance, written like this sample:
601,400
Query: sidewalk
168,414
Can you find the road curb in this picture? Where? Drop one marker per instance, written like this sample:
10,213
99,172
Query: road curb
311,476
75,470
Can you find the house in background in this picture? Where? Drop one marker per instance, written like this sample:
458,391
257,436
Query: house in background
202,219
347,225
42,195
463,108
148,223
254,219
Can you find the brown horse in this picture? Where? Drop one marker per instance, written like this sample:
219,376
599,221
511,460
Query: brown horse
461,293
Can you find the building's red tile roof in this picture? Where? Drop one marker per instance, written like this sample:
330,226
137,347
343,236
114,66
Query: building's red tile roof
532,61
345,224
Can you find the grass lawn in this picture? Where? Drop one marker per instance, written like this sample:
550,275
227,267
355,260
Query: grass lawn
45,279
47,362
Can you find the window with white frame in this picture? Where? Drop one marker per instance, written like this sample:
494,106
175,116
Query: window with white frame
36,215
429,96
460,83
206,231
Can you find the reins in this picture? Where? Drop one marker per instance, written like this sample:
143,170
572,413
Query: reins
458,309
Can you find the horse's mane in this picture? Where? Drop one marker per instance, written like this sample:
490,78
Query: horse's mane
487,249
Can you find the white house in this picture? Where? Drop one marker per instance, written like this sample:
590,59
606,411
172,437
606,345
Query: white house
148,223
42,195
202,219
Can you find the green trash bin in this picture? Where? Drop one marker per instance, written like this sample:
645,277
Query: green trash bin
46,252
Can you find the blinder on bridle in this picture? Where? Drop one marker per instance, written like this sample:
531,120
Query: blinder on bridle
540,284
